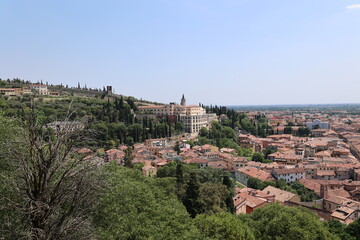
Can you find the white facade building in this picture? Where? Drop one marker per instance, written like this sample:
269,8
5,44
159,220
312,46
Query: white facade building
193,117
317,124
40,89
290,175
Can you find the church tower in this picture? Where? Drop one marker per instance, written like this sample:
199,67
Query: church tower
183,101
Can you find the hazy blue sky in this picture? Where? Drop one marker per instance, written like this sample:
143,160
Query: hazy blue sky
214,51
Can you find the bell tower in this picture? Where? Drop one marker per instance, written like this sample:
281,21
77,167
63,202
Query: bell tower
183,101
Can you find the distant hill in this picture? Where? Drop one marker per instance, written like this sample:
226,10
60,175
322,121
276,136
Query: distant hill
349,107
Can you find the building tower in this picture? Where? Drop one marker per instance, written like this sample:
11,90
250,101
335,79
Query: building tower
109,90
183,101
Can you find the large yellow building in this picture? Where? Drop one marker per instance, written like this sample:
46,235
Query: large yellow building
193,117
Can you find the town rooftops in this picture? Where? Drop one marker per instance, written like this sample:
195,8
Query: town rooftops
150,107
256,173
196,160
312,185
284,171
325,173
280,195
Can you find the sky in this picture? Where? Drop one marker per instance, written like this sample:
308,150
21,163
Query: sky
227,52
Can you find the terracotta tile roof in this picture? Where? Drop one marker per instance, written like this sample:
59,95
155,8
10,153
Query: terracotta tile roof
238,200
196,160
323,154
218,164
84,150
280,195
342,213
257,173
340,193
251,201
113,151
288,171
325,173
151,107
312,185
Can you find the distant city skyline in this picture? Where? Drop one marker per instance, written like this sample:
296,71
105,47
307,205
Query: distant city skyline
231,52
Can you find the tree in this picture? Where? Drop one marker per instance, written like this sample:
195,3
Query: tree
53,188
192,196
179,127
255,183
229,199
179,174
212,198
257,157
338,228
287,130
353,229
223,226
291,124
128,157
11,224
135,207
203,132
269,150
177,147
303,132
274,221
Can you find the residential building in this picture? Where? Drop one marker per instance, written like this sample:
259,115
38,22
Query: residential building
159,142
115,155
290,175
243,174
40,89
7,91
247,200
149,171
317,124
281,195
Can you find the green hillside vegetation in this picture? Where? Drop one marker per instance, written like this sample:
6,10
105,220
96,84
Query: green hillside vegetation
108,123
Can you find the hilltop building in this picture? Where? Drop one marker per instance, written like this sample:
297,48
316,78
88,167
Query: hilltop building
109,90
40,89
193,117
15,91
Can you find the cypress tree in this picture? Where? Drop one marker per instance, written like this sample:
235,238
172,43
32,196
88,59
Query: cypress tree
128,157
179,174
192,200
229,199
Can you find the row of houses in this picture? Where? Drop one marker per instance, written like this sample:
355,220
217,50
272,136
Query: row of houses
28,90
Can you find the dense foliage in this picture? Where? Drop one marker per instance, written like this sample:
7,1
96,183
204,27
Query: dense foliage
222,137
275,221
135,207
223,226
201,190
108,122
